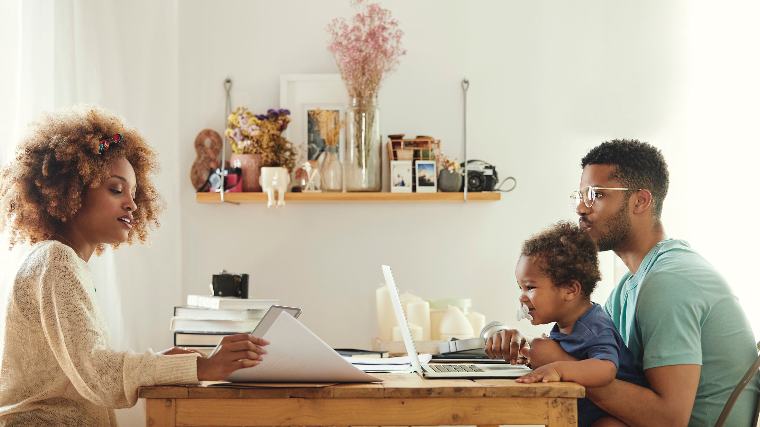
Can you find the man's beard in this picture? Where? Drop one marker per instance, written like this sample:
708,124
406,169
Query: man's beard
618,230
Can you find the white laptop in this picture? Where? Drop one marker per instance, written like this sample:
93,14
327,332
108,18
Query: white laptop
444,370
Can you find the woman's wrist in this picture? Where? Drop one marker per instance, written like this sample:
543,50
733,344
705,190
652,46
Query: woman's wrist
201,363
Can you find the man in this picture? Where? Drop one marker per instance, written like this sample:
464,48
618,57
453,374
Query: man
675,312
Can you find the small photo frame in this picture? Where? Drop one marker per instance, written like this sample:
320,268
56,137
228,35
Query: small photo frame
401,176
325,115
301,93
426,176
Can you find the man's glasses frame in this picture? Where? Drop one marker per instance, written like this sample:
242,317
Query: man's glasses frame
590,197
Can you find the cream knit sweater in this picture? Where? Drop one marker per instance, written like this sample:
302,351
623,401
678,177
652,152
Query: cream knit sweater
56,366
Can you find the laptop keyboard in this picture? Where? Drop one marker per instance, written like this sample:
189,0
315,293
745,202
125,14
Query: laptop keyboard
436,367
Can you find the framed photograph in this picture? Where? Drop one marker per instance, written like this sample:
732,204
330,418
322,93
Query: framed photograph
426,177
302,93
317,117
401,176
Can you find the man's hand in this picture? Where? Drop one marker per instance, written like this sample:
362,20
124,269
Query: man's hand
233,353
506,344
547,374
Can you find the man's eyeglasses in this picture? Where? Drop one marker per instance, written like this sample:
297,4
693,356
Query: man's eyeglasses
589,194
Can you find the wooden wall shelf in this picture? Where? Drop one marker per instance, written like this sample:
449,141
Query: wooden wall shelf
351,197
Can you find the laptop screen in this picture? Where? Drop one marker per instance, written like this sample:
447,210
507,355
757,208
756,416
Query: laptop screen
401,319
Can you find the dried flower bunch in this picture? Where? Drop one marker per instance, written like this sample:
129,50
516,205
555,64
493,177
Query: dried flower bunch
329,124
366,48
242,131
261,134
449,164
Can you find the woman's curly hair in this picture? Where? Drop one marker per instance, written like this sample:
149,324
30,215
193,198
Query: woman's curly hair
43,187
565,253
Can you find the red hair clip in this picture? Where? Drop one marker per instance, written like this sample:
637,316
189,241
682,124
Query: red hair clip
105,143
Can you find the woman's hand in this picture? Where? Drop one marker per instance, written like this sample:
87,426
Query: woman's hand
179,350
233,353
506,344
547,374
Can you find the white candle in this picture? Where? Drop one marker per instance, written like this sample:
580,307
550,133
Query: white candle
418,313
436,315
386,319
416,332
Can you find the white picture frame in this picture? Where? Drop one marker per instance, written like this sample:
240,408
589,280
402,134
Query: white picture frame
314,143
426,176
401,176
300,93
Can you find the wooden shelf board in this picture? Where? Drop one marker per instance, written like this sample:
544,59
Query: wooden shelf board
351,197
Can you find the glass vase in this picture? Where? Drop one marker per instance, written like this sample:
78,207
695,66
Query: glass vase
331,171
363,156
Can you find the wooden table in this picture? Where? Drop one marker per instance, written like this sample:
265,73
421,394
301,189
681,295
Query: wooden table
401,399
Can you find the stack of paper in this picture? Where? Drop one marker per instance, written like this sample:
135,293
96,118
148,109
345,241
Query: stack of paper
390,364
295,354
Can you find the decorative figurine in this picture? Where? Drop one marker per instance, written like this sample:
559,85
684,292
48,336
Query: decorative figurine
312,177
275,179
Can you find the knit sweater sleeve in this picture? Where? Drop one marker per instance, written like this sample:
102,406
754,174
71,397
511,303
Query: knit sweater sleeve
75,336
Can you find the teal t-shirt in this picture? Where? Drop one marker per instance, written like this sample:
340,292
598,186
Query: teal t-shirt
677,310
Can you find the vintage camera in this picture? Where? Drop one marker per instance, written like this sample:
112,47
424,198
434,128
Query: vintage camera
227,284
233,180
481,176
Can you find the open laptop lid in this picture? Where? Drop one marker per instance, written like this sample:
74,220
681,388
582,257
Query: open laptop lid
401,320
271,315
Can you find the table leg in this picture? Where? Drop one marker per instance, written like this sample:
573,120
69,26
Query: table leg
160,412
563,413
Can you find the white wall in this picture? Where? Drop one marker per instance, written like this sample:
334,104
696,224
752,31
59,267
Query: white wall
549,80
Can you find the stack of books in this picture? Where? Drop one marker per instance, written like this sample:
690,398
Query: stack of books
205,320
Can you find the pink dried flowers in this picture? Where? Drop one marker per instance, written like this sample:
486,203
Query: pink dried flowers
366,48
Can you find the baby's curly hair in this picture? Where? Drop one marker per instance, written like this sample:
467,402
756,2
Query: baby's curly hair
55,164
565,253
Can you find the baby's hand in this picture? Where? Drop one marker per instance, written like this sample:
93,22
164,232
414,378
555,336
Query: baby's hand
547,374
542,351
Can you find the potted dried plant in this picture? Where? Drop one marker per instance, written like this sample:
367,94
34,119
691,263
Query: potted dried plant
257,142
450,178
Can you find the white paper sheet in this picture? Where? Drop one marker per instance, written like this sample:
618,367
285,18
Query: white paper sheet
386,364
401,360
386,368
297,355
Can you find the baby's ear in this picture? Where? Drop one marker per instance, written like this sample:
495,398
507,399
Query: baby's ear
573,290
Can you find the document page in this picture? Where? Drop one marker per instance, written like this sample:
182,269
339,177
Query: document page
295,354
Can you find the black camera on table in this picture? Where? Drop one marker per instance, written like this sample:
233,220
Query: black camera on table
481,176
227,284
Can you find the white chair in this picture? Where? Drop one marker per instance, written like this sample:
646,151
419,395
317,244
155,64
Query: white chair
748,376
